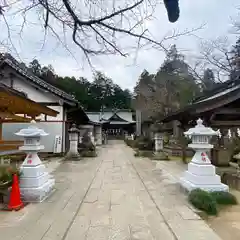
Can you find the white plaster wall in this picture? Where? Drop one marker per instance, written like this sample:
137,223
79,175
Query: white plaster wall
52,128
39,96
33,93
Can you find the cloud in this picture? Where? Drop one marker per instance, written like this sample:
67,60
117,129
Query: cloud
215,14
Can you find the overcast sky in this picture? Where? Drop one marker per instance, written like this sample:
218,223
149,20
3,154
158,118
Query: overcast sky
216,14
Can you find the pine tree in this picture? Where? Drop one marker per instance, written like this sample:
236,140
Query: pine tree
236,55
208,79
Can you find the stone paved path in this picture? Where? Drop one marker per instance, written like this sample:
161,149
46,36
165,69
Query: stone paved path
112,197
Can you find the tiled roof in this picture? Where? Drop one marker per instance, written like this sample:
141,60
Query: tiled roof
127,116
106,116
228,90
26,72
95,117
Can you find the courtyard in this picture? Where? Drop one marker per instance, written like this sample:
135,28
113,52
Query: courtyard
114,196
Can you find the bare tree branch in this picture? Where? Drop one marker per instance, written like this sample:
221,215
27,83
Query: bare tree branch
95,26
216,55
236,22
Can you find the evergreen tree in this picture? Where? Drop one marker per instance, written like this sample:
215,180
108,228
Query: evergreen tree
208,79
235,60
236,55
35,67
167,90
93,96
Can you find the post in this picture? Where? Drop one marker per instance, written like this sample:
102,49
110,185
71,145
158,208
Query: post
159,153
132,136
98,133
90,134
158,142
0,130
105,137
73,138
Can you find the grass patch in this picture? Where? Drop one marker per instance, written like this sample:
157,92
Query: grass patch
141,153
88,154
160,156
224,198
202,200
175,158
131,143
211,202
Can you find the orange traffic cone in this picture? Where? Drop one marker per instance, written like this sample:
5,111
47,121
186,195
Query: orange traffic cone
15,202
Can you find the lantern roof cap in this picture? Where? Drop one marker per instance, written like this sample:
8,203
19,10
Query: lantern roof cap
31,131
200,130
73,129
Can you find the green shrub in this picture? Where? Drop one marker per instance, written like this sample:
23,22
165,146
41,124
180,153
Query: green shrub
224,198
86,148
165,139
144,143
141,153
234,148
86,144
131,143
88,154
6,173
204,201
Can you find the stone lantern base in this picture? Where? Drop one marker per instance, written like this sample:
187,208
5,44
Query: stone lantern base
38,194
36,184
202,176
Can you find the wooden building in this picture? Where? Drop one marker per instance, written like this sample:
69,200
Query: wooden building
15,107
219,108
115,123
17,76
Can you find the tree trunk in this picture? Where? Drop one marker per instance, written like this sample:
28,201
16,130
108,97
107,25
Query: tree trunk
183,143
184,154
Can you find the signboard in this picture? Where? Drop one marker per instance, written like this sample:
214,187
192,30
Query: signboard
57,144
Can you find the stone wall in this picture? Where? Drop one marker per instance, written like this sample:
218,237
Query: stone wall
231,179
177,151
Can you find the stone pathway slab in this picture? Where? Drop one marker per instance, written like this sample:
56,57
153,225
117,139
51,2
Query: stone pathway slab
112,197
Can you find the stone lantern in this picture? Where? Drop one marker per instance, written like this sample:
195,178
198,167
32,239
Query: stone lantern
90,134
73,138
201,173
35,183
158,142
159,153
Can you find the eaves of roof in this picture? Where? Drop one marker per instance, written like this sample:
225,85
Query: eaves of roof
25,72
228,95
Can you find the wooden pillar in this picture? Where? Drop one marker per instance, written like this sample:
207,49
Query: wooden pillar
0,130
176,129
182,129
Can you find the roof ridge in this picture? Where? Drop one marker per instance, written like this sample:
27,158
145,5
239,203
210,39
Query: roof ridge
226,85
10,60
